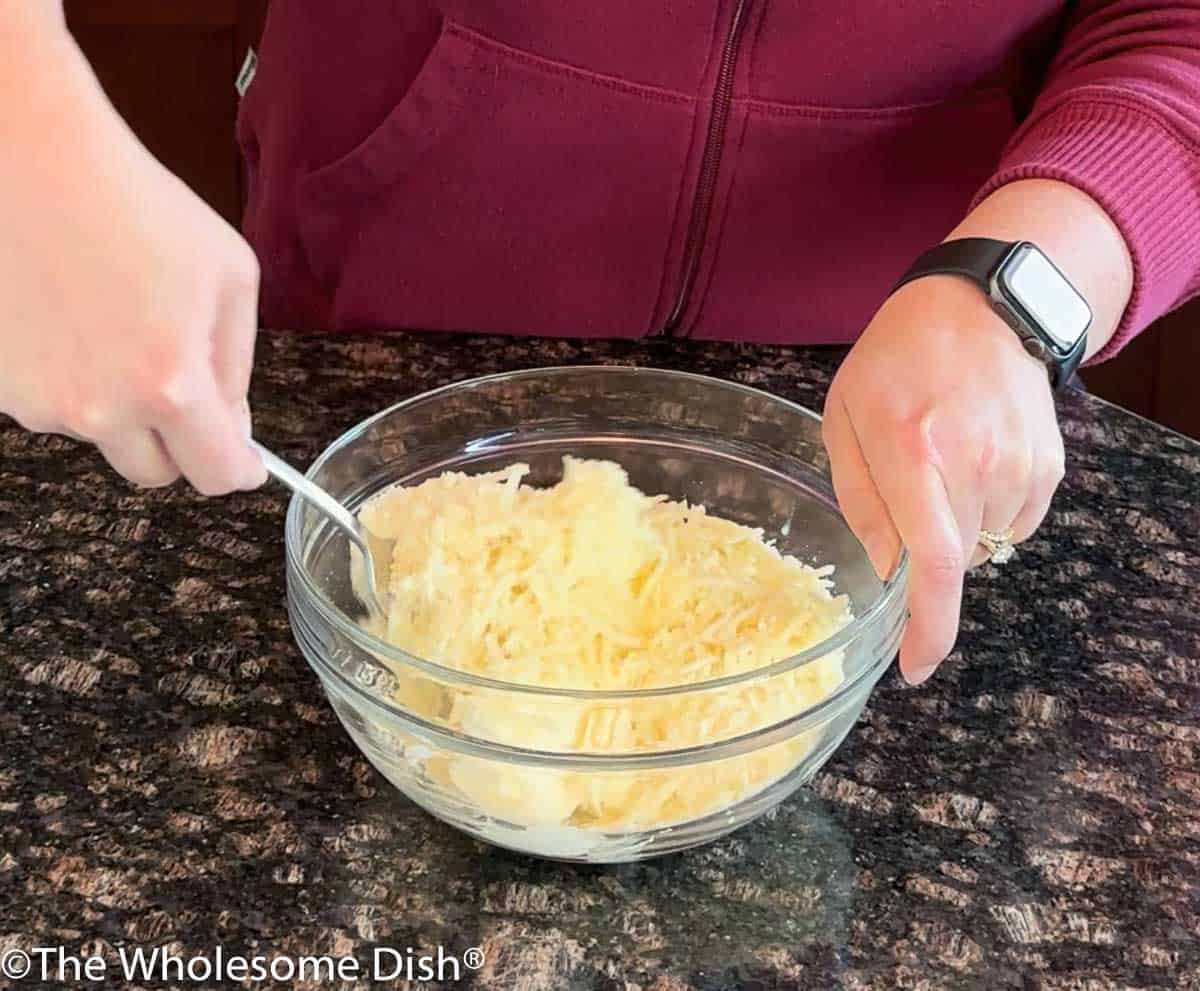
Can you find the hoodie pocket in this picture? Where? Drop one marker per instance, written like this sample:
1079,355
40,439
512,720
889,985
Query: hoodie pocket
505,193
825,208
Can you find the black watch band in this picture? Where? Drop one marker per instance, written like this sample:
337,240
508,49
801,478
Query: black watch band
978,259
973,258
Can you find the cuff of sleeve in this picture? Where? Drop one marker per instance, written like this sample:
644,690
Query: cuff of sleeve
1142,172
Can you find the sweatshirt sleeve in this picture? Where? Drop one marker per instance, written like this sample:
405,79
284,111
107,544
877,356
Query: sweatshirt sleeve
1118,117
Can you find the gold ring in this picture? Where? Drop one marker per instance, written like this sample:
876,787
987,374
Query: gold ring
999,545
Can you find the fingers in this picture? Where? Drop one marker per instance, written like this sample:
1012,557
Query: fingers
139,455
195,423
859,499
965,495
1005,476
1035,509
205,436
1019,497
206,431
904,465
234,337
1046,479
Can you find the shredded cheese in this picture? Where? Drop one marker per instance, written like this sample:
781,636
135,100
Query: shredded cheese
593,585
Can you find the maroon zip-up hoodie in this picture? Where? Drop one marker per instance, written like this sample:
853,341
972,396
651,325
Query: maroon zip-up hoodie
744,169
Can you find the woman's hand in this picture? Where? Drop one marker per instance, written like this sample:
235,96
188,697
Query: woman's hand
127,306
940,424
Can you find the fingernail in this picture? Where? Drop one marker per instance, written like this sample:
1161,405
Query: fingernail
918,676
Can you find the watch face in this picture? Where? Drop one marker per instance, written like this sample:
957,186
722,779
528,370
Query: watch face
1042,294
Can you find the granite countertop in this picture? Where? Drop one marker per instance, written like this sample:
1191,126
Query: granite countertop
171,775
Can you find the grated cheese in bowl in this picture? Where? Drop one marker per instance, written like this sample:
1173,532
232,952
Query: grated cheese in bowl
591,585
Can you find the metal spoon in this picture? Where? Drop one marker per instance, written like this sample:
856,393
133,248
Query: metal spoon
375,551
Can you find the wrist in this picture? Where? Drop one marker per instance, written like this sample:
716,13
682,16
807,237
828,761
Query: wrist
1074,232
962,319
1024,289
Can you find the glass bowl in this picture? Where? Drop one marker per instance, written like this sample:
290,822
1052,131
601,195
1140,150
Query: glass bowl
520,781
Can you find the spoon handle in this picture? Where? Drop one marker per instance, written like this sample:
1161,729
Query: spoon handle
320,499
338,514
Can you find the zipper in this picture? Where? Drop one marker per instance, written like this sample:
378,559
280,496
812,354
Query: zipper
710,165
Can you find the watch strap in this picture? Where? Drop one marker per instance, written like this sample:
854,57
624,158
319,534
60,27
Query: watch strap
974,258
1062,371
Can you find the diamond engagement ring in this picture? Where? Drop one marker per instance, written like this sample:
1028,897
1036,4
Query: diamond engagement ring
999,545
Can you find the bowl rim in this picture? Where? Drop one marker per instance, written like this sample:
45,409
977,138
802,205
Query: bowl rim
891,589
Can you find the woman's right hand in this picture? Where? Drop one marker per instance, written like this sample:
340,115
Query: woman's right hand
128,308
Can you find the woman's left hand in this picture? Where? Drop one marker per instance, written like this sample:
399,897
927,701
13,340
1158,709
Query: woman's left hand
939,424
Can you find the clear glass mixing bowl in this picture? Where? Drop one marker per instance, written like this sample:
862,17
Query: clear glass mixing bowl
745,455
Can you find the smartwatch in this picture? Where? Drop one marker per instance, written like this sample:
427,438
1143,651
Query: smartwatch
1026,289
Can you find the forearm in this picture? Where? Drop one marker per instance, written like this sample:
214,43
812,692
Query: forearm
30,33
1074,232
15,14
57,127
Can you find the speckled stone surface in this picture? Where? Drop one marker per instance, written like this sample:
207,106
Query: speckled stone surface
170,774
